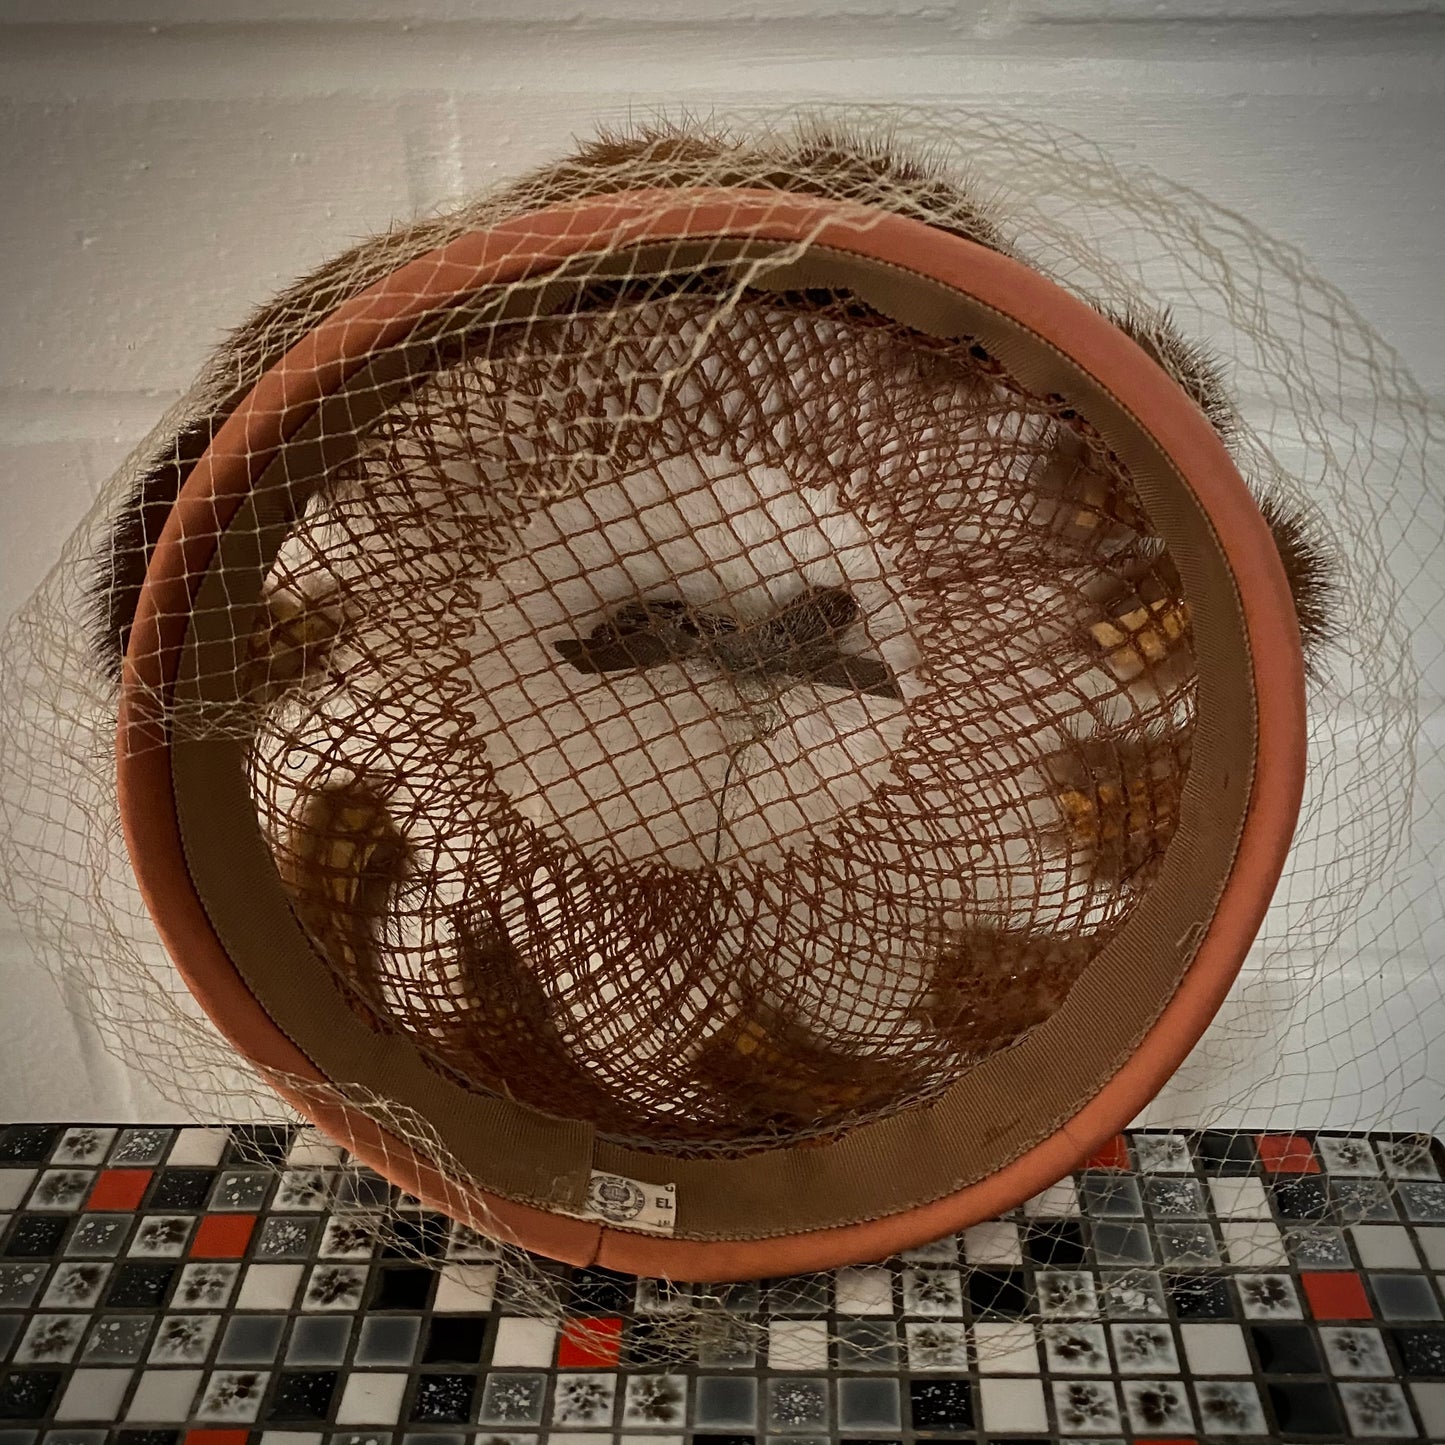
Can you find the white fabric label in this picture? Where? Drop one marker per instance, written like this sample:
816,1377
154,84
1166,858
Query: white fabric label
631,1204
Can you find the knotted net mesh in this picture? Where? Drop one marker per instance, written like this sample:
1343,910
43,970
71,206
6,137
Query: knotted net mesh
724,714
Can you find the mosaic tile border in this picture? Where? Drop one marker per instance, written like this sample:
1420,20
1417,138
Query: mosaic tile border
227,1286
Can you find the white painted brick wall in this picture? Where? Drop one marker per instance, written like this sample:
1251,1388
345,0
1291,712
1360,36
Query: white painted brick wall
167,163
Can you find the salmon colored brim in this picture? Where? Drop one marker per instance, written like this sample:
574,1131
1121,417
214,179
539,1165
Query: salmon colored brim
286,396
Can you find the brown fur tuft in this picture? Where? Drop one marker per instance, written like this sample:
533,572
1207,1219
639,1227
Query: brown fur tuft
1312,570
1190,363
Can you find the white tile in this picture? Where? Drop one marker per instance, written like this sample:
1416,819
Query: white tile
1384,1246
632,1439
1005,1347
14,1185
1432,1245
198,1148
1254,1244
1058,1201
466,1289
371,1399
1430,1402
311,1149
1216,1348
996,1242
1013,1405
1239,1198
798,1345
164,1396
865,1291
524,1343
94,1395
269,1287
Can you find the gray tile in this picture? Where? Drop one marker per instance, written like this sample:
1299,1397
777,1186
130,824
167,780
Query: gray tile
1122,1242
319,1340
725,1401
388,1340
797,1406
1405,1296
513,1399
20,1283
1424,1202
141,1146
867,1345
869,1404
117,1339
1134,1294
1317,1247
251,1339
241,1190
98,1236
75,1437
1354,1351
1190,1244
1175,1198
9,1328
1362,1199
286,1236
584,1400
733,1348
1145,1349
1115,1195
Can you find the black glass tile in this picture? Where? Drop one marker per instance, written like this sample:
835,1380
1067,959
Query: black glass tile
27,1394
402,1287
454,1340
27,1143
147,1437
444,1397
140,1284
1286,1350
998,1293
1306,1409
601,1292
1224,1153
644,1344
414,1236
362,1189
1055,1246
711,1439
1421,1352
181,1189
941,1404
802,1295
1304,1196
1199,1297
302,1395
258,1144
36,1236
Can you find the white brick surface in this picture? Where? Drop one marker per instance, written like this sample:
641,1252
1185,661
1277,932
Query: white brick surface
167,165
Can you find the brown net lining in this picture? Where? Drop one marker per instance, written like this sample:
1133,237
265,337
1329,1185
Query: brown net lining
719,718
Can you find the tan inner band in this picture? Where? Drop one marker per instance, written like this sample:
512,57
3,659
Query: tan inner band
991,1116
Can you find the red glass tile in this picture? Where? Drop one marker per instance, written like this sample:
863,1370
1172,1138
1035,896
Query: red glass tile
223,1236
119,1189
593,1344
1287,1154
216,1437
1112,1155
1336,1296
